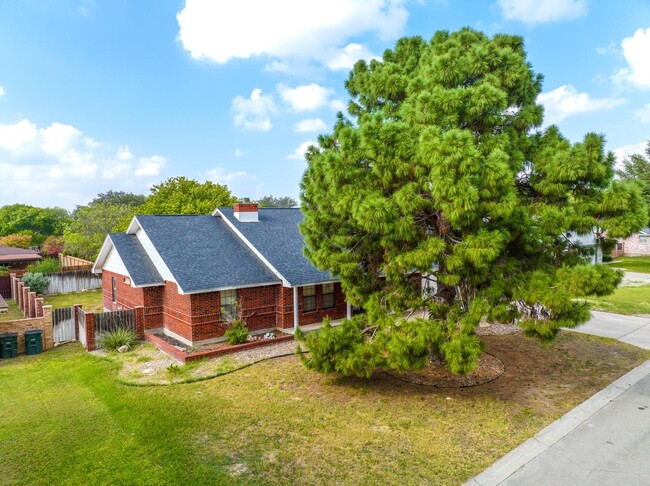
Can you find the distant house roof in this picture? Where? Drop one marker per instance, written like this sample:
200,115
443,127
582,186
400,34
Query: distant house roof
645,231
141,269
277,238
203,254
10,254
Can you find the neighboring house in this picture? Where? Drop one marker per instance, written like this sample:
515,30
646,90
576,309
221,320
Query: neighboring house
636,245
17,258
588,241
193,274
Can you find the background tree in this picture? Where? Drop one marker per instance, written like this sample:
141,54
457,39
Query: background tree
441,169
52,246
180,195
636,168
90,225
271,201
17,241
119,197
39,222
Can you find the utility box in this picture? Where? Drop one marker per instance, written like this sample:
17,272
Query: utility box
8,345
34,342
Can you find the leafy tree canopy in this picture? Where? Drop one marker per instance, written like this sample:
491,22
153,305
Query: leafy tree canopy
441,168
90,225
180,195
23,240
119,197
277,202
39,222
636,168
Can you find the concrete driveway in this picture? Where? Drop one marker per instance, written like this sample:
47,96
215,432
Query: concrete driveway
603,441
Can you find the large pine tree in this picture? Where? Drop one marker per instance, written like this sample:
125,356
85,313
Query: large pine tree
441,168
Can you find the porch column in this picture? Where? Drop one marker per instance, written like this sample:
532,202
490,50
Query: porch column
348,309
295,308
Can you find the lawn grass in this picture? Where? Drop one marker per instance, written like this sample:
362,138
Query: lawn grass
67,419
633,300
90,300
13,313
633,264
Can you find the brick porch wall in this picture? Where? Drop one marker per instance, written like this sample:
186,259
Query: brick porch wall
285,307
632,246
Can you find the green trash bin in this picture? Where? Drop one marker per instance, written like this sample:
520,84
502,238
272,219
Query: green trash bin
34,341
8,345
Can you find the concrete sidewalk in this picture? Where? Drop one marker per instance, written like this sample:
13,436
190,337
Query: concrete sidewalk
603,441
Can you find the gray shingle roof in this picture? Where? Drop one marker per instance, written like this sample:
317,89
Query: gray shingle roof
277,238
135,259
203,254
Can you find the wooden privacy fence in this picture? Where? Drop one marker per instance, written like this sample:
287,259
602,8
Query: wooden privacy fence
5,286
64,283
68,262
63,320
112,321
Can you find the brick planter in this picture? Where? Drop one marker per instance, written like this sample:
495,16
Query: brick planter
184,356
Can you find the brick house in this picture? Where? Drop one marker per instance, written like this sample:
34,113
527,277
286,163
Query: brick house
636,245
194,273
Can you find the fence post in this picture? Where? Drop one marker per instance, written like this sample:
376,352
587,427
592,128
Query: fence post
48,327
75,317
13,279
19,294
31,305
39,307
139,322
90,332
25,300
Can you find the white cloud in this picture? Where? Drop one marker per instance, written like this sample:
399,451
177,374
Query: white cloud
338,105
310,125
284,29
307,97
566,101
635,50
2,91
253,113
625,151
239,182
643,114
221,176
541,11
59,165
18,137
150,166
238,153
344,59
612,48
299,153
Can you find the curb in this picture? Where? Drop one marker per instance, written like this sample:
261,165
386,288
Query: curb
547,437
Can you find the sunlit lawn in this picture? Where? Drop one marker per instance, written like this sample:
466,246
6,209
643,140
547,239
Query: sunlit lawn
66,419
90,300
633,264
625,300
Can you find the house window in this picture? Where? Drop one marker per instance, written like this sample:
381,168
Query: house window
619,246
328,296
228,305
643,238
309,298
114,283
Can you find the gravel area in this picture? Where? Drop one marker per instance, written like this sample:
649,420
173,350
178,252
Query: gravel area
497,329
265,352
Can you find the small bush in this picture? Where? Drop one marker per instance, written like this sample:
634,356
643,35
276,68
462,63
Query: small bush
4,270
37,282
120,337
47,265
237,333
607,258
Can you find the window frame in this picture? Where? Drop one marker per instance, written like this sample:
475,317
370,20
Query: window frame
311,298
114,289
643,239
228,305
327,296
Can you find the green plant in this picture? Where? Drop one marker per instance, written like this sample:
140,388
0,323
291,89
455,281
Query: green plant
37,282
4,270
237,333
144,359
47,265
120,337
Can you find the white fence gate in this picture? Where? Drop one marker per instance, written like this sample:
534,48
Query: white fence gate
82,326
63,322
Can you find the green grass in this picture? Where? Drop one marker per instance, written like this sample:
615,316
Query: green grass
633,264
90,300
625,300
66,419
14,312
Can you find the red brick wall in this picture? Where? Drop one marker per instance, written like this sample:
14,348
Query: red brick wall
127,297
285,308
177,311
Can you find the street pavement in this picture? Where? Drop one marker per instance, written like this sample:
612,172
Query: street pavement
603,441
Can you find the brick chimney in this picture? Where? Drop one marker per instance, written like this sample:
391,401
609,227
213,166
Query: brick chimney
246,211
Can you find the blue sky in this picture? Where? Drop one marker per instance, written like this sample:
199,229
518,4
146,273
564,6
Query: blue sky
116,94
